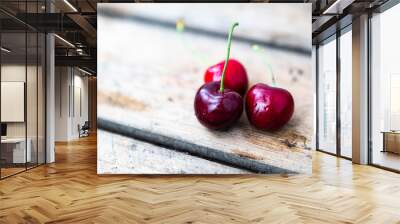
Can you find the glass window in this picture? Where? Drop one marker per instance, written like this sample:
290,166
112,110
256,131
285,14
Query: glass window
327,96
22,94
385,89
31,99
314,79
346,94
14,153
31,86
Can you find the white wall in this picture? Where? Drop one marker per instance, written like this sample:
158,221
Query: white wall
15,72
81,102
62,81
71,94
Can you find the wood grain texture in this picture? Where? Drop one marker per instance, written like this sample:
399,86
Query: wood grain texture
123,155
148,77
240,159
70,191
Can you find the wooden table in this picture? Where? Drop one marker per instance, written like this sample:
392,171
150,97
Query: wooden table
147,78
391,141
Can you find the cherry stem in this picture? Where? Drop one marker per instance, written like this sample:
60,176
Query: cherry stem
221,88
273,79
261,51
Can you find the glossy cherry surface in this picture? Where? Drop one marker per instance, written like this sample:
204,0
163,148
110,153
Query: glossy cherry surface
215,109
267,107
235,77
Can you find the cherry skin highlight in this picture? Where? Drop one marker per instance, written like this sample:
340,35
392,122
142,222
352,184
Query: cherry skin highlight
235,77
269,108
215,109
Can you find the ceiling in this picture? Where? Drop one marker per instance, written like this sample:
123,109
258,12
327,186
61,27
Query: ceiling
332,15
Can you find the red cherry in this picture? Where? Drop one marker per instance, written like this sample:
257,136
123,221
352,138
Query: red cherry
235,77
215,109
269,108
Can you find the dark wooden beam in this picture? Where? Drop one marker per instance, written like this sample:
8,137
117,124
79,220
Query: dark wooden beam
81,61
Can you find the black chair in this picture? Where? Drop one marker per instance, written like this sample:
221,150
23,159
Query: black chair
84,130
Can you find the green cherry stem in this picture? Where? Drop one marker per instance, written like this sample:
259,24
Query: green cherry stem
221,88
261,51
273,79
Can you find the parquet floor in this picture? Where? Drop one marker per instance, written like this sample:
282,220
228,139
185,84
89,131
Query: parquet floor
10,171
69,191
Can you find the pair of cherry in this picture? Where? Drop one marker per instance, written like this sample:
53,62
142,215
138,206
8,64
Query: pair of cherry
217,107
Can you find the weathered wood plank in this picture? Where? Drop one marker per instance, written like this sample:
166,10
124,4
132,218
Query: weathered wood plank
148,77
237,159
122,155
294,40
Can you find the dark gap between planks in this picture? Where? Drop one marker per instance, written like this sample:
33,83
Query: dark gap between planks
114,14
193,149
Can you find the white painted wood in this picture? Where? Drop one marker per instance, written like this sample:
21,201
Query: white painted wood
12,101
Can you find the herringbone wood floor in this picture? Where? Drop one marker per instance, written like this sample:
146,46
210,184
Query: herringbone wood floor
69,191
